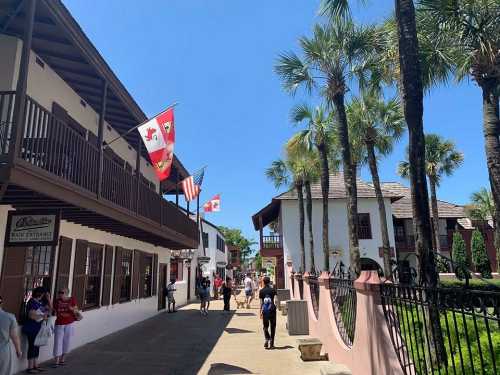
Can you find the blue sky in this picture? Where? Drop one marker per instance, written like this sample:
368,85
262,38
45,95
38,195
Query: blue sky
216,58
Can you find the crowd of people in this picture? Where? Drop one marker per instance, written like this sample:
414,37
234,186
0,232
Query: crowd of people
42,320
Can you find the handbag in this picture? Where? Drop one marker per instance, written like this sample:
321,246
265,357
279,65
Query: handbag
45,333
78,315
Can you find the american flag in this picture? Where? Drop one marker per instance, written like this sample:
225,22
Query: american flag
192,185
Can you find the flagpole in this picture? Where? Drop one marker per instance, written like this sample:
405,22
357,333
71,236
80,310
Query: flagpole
142,123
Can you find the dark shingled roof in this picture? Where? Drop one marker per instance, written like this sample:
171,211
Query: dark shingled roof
401,209
337,190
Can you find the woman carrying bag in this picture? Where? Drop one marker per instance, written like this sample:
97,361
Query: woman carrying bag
67,313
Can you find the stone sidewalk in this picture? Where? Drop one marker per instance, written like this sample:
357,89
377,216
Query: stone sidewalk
186,343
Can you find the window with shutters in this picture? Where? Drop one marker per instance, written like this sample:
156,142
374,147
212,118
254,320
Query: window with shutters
147,275
205,239
126,274
37,269
221,245
93,268
364,227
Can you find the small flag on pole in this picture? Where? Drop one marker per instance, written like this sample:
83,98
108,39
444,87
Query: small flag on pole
158,135
213,205
192,185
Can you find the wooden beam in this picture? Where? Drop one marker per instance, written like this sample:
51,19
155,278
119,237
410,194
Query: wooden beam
22,83
100,137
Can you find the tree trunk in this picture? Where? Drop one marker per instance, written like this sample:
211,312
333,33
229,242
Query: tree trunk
300,195
350,183
435,215
309,225
412,97
491,130
325,189
386,246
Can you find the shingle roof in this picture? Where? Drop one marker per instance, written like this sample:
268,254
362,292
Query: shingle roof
337,190
401,209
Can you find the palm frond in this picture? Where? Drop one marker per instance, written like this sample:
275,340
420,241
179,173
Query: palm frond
293,72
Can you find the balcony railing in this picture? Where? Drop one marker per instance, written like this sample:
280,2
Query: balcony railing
51,145
271,242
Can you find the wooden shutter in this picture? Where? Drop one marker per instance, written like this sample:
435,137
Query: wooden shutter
142,274
118,274
155,274
12,282
79,272
108,270
136,274
63,263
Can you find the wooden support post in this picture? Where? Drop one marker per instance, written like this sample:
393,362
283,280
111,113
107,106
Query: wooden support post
260,233
138,173
100,136
177,187
22,83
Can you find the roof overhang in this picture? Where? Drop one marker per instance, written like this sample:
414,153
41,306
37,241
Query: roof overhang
268,214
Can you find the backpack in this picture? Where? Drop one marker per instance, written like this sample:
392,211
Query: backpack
267,305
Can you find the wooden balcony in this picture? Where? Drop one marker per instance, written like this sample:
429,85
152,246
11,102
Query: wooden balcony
57,167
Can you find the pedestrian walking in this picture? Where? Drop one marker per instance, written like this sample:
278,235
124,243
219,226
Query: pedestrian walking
227,291
170,296
217,284
205,296
8,333
249,287
268,312
36,314
66,312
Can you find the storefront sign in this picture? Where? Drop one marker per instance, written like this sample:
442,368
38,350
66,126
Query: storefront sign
32,228
221,264
268,262
203,260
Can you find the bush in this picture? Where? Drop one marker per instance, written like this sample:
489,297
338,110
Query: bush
459,254
492,285
479,255
442,265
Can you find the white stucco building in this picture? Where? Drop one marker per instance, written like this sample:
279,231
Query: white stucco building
214,247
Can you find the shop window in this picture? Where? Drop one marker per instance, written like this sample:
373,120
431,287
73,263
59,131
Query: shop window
364,227
205,240
221,245
147,275
93,268
125,276
176,270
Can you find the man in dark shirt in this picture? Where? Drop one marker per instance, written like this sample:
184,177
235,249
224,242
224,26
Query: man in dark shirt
268,312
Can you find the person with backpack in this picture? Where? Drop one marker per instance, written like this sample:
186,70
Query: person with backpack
170,295
268,312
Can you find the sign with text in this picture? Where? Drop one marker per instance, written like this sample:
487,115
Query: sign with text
268,262
32,228
203,260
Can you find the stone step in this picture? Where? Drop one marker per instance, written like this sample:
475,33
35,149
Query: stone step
310,350
335,369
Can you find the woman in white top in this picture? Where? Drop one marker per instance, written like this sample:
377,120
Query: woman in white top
8,333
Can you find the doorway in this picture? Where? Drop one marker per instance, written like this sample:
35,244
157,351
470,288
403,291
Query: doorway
162,299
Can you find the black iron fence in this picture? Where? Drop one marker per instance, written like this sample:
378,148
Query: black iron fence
314,290
443,331
343,296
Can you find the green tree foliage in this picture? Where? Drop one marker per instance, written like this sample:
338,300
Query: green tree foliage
479,256
459,253
234,237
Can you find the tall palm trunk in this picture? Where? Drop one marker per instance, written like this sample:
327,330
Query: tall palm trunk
307,185
350,183
300,195
386,246
412,96
325,189
491,130
435,214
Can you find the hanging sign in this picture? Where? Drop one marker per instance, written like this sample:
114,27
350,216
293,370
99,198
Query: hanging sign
203,260
268,262
40,227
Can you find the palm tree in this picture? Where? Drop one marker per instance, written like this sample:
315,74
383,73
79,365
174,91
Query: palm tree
378,125
317,135
482,206
472,32
285,173
410,86
308,164
329,59
441,159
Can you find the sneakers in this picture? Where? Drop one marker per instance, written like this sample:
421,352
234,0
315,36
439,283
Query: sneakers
266,344
271,346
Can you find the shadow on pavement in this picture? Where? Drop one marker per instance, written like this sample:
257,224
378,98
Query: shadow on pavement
237,330
225,369
165,344
245,314
286,347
